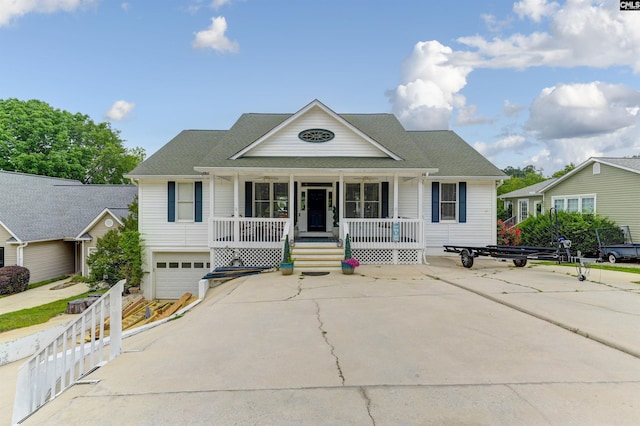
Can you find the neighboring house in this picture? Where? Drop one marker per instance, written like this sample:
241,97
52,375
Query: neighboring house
607,186
211,196
50,225
525,202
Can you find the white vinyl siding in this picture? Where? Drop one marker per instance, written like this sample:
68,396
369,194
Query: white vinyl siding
156,230
286,143
407,199
480,228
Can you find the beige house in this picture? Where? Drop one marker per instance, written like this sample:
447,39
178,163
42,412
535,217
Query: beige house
50,225
607,186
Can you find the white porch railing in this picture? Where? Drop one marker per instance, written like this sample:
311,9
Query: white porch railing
74,353
385,233
247,232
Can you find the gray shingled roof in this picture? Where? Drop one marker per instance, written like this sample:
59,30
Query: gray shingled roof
530,190
444,150
39,208
628,163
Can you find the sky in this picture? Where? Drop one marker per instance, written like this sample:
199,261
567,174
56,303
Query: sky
530,82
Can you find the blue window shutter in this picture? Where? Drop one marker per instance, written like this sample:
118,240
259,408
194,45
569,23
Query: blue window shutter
248,199
198,203
385,200
462,202
171,201
435,202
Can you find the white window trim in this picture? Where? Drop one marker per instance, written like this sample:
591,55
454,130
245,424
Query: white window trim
272,199
192,202
361,201
520,201
457,203
564,199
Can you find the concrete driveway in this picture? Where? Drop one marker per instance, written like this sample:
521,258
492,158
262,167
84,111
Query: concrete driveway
422,344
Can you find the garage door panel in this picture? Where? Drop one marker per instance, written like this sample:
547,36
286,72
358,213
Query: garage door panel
178,273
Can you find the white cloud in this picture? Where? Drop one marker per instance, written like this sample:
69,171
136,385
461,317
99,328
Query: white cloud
512,110
583,110
214,38
534,9
510,143
219,3
428,94
468,116
13,9
119,110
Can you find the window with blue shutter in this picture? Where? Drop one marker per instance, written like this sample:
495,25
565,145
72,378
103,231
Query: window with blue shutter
435,202
462,202
171,201
198,202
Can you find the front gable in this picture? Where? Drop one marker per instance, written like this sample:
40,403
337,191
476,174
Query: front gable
336,137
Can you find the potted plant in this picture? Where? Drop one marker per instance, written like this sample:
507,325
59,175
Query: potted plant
286,266
350,263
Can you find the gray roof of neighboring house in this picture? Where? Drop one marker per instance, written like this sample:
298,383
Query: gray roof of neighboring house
36,208
630,164
444,150
529,191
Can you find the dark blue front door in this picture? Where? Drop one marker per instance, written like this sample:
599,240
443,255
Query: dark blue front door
317,210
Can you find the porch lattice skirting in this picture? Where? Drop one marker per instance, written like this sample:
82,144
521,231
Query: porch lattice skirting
272,257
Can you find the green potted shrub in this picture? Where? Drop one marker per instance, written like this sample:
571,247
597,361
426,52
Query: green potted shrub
286,266
349,263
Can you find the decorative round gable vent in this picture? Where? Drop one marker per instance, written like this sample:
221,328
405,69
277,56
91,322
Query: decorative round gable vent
108,223
316,135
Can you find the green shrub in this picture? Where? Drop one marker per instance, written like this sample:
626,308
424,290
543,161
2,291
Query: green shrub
14,279
580,228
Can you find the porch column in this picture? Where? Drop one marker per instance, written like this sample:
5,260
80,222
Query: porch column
341,206
212,205
236,208
421,236
395,196
291,207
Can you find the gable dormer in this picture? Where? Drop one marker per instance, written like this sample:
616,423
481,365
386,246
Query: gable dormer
315,131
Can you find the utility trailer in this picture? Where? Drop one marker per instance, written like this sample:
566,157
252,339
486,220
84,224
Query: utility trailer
518,254
616,244
557,251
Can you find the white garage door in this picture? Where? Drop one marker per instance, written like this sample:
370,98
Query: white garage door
178,273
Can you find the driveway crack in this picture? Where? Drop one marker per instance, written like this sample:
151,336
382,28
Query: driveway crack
363,392
298,292
326,339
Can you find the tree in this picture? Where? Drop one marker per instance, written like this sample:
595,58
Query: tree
564,171
38,139
118,253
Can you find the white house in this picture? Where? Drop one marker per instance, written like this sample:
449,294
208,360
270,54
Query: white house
211,196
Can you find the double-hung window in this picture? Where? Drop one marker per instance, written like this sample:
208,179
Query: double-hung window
1,257
448,201
362,200
576,203
184,201
271,199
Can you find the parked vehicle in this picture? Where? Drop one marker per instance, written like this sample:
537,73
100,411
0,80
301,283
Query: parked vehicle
616,244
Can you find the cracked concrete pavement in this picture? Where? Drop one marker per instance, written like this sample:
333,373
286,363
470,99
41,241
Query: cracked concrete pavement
419,344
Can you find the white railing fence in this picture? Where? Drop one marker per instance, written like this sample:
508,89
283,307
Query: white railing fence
76,352
384,233
247,230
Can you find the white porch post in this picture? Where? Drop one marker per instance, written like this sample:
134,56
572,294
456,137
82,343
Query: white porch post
341,206
420,216
291,207
236,207
395,196
212,205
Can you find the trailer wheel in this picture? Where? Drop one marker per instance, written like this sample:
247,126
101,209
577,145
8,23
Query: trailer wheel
581,277
520,263
612,258
466,258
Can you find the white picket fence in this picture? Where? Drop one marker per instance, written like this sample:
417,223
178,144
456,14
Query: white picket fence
76,352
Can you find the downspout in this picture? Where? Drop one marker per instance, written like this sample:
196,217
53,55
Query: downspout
20,254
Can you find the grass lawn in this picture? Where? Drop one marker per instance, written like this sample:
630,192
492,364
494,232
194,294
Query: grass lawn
35,315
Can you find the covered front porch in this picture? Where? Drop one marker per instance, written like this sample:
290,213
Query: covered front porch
252,215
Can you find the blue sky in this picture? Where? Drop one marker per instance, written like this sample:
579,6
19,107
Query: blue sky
526,82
